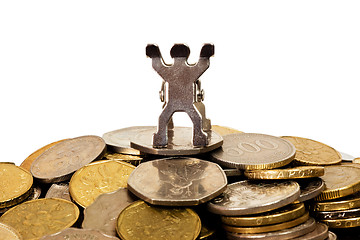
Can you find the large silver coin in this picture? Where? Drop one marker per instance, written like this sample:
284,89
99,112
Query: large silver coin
285,234
250,151
119,140
79,234
179,142
102,214
310,188
320,233
250,197
177,181
60,190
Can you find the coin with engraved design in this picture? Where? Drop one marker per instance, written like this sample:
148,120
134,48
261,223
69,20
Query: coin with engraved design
9,233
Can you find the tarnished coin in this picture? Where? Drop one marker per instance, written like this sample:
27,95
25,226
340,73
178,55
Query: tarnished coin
340,223
177,181
59,190
15,184
310,152
59,162
31,158
268,228
348,213
252,151
284,214
289,233
224,130
250,197
37,218
102,214
97,178
79,234
321,232
9,233
340,181
179,142
143,221
349,202
286,173
119,140
346,157
332,236
132,159
310,188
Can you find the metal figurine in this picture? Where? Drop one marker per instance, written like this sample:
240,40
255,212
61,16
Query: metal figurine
181,91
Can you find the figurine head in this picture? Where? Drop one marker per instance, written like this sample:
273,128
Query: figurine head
180,51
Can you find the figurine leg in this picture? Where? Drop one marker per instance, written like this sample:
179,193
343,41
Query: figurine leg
199,136
160,138
206,122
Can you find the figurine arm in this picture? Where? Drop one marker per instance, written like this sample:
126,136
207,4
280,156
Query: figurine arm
207,51
153,52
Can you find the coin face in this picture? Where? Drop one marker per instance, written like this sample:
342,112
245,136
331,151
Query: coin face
15,184
248,197
59,190
179,142
143,221
63,159
340,181
286,173
310,188
31,158
224,130
177,181
8,233
252,151
79,234
102,214
97,178
310,152
41,217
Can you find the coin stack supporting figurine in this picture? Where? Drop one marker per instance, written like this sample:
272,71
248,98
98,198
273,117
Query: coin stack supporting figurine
170,182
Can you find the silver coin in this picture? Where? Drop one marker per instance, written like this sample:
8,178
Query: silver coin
232,172
79,234
250,197
310,188
339,214
177,181
60,190
289,233
102,214
332,236
321,232
346,157
119,140
251,151
35,193
179,142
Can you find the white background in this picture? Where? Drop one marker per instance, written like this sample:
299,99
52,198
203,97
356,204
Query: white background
72,68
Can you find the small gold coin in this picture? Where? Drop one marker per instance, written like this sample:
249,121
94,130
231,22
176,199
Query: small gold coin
345,203
268,228
280,215
31,158
224,130
286,173
15,184
340,181
37,218
132,159
343,223
356,160
143,221
96,178
310,152
8,233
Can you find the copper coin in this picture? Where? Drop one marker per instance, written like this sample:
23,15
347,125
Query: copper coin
63,159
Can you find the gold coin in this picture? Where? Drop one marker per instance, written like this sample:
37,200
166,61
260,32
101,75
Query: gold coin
280,215
343,223
340,181
286,173
31,158
345,203
268,228
8,233
37,218
132,159
96,178
224,130
310,152
143,221
15,184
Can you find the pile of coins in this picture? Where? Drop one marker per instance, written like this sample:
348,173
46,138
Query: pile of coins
255,186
